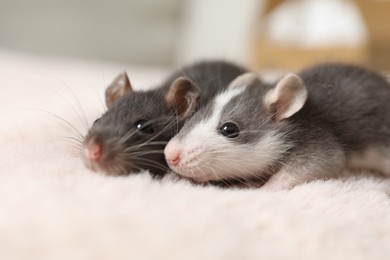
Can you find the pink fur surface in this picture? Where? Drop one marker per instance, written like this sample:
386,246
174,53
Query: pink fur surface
52,207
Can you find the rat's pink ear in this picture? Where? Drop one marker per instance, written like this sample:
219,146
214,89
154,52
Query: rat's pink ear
287,97
120,86
184,96
246,79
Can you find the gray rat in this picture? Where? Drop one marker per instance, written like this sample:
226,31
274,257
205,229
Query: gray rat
132,133
306,126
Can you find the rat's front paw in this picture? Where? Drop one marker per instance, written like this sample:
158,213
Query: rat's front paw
280,181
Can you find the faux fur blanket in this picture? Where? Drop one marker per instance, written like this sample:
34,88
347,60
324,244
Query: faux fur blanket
52,207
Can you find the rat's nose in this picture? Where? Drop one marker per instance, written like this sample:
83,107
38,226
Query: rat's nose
174,158
94,152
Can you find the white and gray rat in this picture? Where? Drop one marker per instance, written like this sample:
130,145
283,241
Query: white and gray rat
307,126
132,134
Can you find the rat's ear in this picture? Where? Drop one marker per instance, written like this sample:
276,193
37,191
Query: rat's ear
183,95
120,86
287,97
246,79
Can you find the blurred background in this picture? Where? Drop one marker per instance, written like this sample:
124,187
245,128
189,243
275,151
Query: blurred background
263,34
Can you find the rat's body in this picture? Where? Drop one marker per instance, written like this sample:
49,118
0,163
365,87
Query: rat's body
312,125
132,134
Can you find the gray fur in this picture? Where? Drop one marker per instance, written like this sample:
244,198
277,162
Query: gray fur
346,113
210,76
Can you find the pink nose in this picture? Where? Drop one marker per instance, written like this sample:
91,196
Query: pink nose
94,152
174,159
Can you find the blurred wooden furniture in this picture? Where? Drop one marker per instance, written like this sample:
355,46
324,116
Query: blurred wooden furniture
375,52
377,18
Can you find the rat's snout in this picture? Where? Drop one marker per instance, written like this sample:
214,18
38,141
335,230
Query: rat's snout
172,154
93,151
174,158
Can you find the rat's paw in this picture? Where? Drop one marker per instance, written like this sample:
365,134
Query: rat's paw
280,181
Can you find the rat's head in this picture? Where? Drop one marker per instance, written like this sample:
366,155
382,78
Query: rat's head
241,134
133,132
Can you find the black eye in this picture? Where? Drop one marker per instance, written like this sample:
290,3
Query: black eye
97,120
229,129
144,126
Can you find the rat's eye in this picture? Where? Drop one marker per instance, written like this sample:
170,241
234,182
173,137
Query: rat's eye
144,126
229,129
97,120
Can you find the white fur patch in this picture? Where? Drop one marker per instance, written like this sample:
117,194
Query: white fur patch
206,155
222,99
210,124
253,160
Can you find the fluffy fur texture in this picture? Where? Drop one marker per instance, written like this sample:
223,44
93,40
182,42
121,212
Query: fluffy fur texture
52,207
320,120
